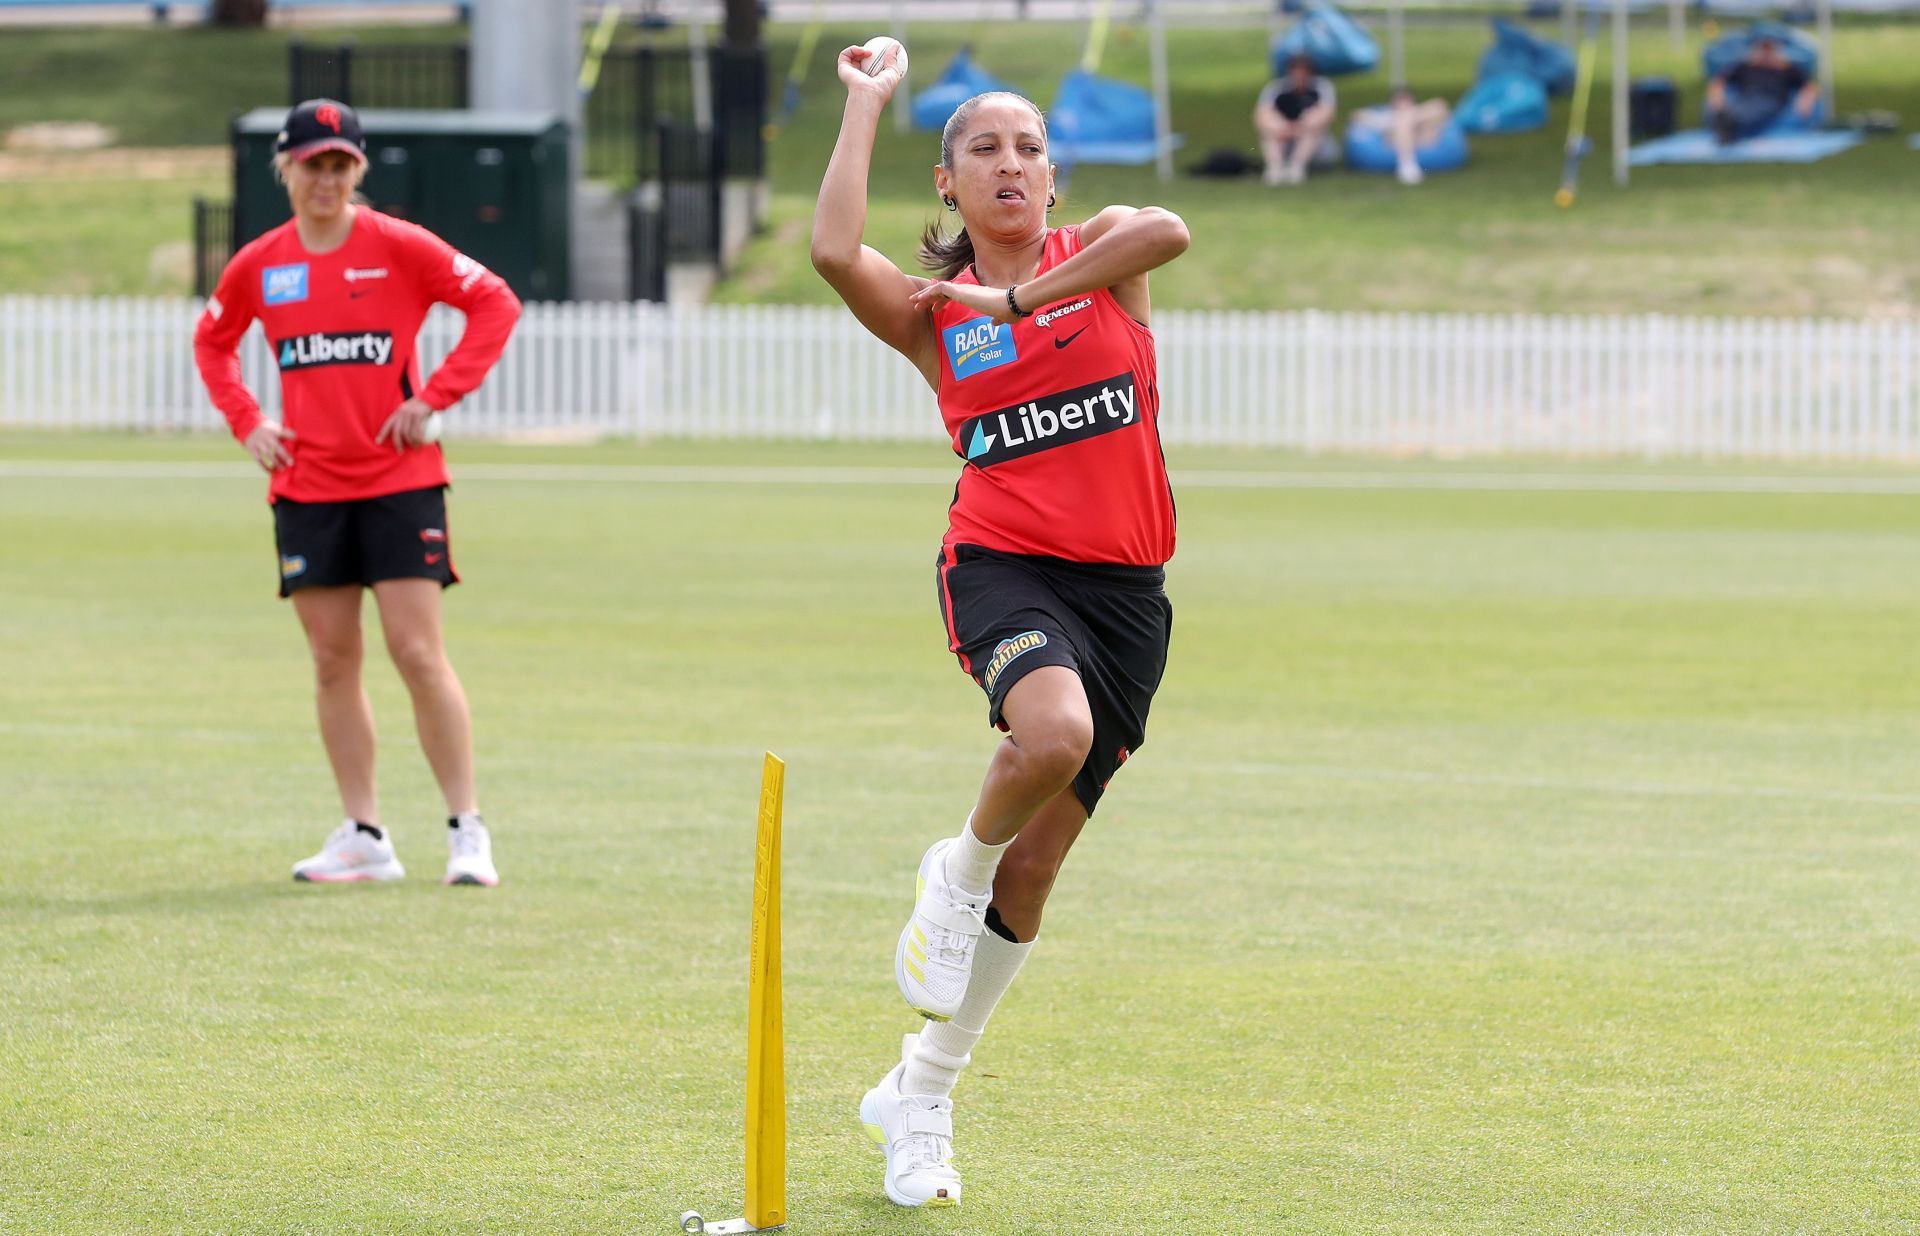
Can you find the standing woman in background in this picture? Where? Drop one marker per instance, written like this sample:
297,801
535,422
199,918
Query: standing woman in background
358,488
1051,576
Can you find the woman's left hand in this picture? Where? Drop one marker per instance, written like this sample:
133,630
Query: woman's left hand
403,427
992,302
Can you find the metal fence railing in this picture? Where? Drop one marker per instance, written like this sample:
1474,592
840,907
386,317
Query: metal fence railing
426,76
636,88
1467,384
212,243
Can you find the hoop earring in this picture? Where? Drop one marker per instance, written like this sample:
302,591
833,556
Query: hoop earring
1050,201
951,204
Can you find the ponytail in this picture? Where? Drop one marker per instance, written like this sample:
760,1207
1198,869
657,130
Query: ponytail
946,256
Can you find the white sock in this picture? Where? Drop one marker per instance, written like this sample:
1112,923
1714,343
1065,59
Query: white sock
971,862
946,1047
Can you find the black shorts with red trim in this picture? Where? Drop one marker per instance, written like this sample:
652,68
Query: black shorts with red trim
334,544
1009,614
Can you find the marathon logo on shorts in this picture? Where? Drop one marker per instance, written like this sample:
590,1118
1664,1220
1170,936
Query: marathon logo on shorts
353,347
284,285
1052,420
977,345
1005,652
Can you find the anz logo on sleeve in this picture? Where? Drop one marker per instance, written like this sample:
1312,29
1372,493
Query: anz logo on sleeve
977,345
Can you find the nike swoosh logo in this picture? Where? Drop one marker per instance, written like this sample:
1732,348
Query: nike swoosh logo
434,558
1061,343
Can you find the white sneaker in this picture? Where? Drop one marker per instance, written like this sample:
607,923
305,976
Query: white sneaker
1409,173
354,851
470,852
934,958
915,1132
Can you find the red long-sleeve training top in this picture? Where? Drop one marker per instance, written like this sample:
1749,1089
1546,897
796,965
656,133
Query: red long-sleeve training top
344,328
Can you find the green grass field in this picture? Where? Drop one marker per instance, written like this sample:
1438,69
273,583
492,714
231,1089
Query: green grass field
1833,238
1500,861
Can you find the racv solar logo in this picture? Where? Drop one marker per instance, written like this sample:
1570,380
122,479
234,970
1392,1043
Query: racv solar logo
977,345
283,285
357,347
1052,420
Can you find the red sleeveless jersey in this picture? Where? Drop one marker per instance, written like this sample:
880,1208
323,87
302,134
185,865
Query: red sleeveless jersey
1057,416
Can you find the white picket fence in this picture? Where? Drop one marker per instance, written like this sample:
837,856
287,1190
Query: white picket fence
1455,384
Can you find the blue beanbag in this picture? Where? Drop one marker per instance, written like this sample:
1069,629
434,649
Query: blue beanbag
1370,149
1730,49
1099,120
1504,103
961,80
1333,41
1517,50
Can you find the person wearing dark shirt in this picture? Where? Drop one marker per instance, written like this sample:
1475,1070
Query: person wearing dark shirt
1757,91
357,482
1050,579
1292,118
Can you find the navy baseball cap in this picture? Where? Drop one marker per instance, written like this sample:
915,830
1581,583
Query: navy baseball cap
321,124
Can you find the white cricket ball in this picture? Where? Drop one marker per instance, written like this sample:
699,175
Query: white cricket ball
430,428
879,45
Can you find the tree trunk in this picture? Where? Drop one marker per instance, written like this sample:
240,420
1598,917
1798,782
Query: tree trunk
237,12
742,28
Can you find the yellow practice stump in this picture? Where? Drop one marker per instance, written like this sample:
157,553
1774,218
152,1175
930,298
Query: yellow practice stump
766,1036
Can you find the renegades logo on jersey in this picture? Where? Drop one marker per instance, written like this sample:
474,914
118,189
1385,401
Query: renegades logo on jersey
353,347
1051,420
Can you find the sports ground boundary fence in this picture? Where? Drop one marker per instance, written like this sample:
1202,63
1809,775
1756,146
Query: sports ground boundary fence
637,89
1645,386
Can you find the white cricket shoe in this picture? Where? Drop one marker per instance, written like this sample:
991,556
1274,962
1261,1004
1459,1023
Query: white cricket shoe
915,1132
470,852
934,958
354,852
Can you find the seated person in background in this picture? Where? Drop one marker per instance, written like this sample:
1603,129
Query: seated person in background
1754,93
1293,117
1409,125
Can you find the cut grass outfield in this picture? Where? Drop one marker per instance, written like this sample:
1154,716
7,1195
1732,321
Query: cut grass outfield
1833,238
1500,860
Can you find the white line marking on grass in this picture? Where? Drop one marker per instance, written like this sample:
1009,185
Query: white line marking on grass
895,755
707,474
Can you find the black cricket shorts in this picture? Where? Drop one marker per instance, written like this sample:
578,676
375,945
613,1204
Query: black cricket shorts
394,536
1009,614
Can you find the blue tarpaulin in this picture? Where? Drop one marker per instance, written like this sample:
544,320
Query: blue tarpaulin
1699,146
1333,41
961,80
1504,103
1099,120
1517,50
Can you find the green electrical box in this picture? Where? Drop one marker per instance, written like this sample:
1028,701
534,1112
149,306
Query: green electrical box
494,185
